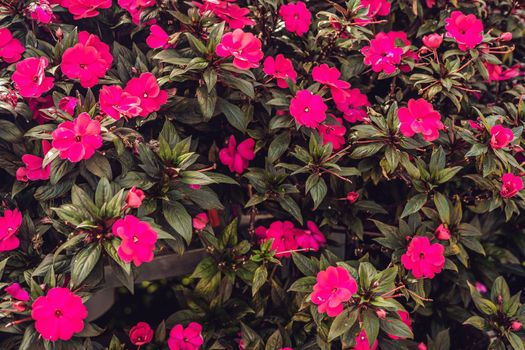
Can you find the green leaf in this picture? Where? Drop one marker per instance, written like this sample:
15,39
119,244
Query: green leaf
207,101
235,116
371,325
414,204
83,263
275,341
342,323
477,322
279,145
9,132
303,285
318,192
288,204
515,341
306,265
442,207
259,279
179,219
99,165
396,327
366,151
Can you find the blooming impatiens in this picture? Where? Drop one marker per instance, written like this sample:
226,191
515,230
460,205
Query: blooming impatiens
59,314
88,60
147,89
296,17
334,287
85,8
311,238
11,49
467,30
30,77
308,109
362,343
33,169
141,334
157,38
280,68
500,136
333,132
283,236
423,258
244,47
78,139
9,224
383,54
137,240
420,117
510,185
189,338
237,157
200,221
117,103
227,10
498,73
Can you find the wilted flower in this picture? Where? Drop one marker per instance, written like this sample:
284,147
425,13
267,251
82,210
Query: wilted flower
16,291
33,169
59,314
141,334
498,73
334,287
237,157
511,185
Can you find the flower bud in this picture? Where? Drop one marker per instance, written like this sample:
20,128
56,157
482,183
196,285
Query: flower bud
421,346
507,36
442,232
381,313
135,197
516,326
433,41
352,197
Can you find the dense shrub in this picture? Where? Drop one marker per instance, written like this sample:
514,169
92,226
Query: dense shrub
352,169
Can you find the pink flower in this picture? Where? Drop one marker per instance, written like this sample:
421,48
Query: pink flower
420,117
200,221
9,225
308,109
516,326
500,136
41,11
68,104
189,338
117,103
333,133
138,240
421,346
87,61
430,3
467,30
352,103
506,36
497,73
405,318
85,8
352,197
476,124
442,232
361,342
329,76
433,41
135,197
236,17
283,235
157,38
33,169
237,157
140,334
334,287
481,287
78,139
148,90
59,315
244,47
11,49
376,7
17,292
511,185
422,258
382,53
135,8
381,314
30,77
312,238
280,68
296,17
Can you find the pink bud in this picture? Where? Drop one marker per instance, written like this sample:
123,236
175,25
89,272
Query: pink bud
481,287
507,36
381,313
516,326
442,232
59,33
421,346
135,197
433,41
200,221
352,197
20,306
